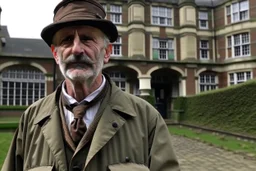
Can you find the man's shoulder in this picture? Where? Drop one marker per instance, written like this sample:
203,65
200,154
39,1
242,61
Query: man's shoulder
133,103
41,106
49,99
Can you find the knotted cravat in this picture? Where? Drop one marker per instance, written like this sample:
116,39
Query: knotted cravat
78,127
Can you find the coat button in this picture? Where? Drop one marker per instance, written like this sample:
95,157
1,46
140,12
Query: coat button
115,125
127,159
76,168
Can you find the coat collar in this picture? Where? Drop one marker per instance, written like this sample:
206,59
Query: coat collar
120,101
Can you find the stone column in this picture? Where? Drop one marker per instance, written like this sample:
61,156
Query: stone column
145,85
136,29
183,86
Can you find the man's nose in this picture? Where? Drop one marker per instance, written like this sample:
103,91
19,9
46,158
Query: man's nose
77,48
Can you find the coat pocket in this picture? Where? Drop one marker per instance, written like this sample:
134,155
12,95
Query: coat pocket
42,168
127,167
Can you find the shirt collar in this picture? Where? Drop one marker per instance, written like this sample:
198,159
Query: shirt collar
70,100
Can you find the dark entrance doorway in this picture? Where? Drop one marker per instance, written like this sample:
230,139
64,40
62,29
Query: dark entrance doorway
165,85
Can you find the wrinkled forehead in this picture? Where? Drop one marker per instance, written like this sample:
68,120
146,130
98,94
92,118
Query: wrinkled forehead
80,30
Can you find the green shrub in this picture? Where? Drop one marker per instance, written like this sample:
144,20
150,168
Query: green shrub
229,109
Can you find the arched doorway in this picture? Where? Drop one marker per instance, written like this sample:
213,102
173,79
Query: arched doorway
165,87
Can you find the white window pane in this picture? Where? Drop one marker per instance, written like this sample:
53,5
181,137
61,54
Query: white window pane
235,17
229,41
245,49
237,39
155,43
169,21
115,8
244,5
237,51
155,20
162,12
162,44
169,13
235,7
245,38
228,10
170,44
162,20
244,15
203,15
155,11
204,44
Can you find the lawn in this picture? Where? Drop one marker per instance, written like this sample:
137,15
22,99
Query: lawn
5,140
9,119
222,141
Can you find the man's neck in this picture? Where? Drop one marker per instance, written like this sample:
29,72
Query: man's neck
80,90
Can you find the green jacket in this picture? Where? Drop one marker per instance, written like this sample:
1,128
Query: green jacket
131,136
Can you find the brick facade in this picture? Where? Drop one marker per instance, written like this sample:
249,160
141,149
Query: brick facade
187,66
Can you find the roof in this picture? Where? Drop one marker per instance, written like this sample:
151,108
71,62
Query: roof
207,3
23,47
4,31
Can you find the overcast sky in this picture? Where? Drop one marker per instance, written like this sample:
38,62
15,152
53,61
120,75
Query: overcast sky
26,18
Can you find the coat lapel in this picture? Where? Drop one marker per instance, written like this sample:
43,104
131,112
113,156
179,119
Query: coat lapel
53,135
108,125
50,120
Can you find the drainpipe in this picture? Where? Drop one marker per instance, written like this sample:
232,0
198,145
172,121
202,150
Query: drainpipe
214,34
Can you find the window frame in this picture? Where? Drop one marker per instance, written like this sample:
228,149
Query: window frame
168,15
120,78
114,13
204,49
169,47
205,19
240,41
117,43
234,77
212,84
21,86
237,13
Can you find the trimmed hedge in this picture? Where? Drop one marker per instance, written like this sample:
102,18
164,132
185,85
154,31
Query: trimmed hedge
9,126
230,109
13,107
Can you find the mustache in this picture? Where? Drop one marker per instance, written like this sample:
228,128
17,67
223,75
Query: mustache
78,59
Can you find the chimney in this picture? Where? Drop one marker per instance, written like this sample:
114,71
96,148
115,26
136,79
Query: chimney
0,17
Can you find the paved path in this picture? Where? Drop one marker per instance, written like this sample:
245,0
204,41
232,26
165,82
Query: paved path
197,156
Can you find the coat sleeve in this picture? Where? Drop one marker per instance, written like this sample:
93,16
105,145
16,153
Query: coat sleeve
13,160
161,152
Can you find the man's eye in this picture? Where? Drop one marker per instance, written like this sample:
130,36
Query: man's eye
85,38
67,39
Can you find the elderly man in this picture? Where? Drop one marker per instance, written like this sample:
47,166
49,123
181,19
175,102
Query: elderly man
88,123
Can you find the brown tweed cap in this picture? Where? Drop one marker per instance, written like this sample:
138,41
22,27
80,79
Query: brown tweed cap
79,12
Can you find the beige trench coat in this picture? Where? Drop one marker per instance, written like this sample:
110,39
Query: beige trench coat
131,136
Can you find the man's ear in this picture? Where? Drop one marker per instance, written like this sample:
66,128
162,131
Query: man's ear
54,53
108,53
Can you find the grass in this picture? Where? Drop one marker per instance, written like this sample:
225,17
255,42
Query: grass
226,142
9,119
5,140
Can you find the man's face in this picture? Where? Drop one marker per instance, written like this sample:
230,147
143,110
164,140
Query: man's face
80,52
